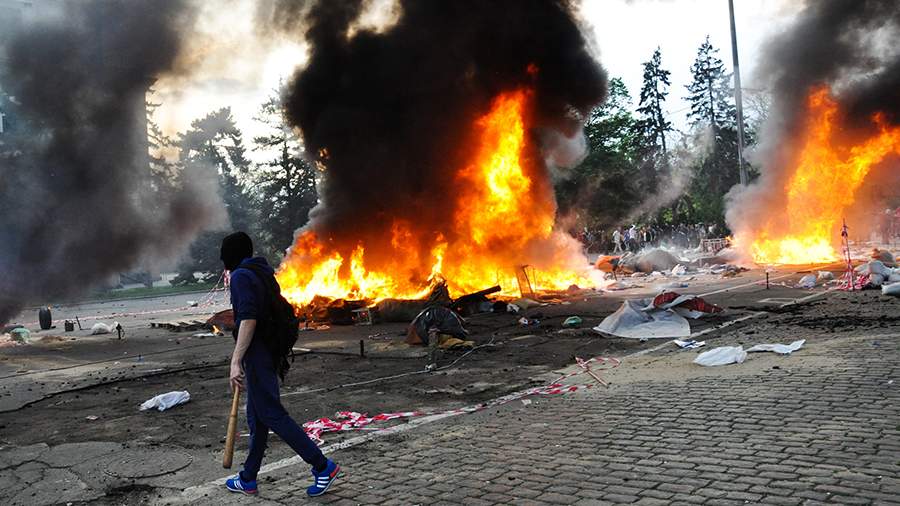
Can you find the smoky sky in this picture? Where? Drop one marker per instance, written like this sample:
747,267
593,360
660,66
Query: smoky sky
847,45
76,204
391,114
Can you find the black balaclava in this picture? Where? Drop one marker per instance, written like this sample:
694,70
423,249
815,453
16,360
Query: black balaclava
235,248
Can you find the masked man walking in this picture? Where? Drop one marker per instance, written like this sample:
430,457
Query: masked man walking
256,370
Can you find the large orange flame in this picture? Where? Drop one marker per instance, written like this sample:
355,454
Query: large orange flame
822,187
502,217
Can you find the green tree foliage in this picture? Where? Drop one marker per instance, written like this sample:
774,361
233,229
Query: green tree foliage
285,184
164,172
215,141
711,96
603,185
710,93
653,124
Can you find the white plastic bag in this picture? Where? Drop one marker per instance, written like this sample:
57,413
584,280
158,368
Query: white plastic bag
722,355
679,270
102,328
824,276
781,349
891,289
165,401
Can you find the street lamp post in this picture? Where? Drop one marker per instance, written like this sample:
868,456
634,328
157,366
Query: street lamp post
737,97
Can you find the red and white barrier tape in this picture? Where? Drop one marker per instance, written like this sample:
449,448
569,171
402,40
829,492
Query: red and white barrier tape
346,421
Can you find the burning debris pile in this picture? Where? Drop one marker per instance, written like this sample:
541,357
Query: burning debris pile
75,205
435,137
835,124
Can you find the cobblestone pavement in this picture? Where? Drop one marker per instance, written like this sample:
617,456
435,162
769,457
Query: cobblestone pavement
821,430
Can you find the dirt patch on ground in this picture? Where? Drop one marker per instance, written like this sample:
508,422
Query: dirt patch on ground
321,383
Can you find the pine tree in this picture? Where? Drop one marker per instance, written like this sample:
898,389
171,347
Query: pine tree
285,183
712,106
710,92
215,141
163,170
654,125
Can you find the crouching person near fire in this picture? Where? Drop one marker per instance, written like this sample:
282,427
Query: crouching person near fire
256,367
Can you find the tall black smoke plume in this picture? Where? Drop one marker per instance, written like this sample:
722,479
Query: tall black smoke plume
390,111
846,45
75,205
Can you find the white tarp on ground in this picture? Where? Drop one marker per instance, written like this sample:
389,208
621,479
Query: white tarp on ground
632,321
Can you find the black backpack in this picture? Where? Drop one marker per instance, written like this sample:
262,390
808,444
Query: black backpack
281,326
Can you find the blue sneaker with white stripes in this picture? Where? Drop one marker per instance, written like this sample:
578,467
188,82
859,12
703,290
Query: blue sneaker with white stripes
237,484
323,480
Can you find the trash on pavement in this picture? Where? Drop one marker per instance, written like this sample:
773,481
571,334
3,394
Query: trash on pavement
781,349
824,276
167,400
689,344
92,417
512,308
722,355
223,319
20,335
884,256
649,261
102,328
891,289
528,321
633,320
446,342
524,303
689,306
443,319
572,321
807,281
679,270
874,267
607,263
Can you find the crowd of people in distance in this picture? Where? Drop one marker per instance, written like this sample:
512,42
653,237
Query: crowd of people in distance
637,237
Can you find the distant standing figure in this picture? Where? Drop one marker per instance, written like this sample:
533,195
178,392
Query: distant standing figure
617,240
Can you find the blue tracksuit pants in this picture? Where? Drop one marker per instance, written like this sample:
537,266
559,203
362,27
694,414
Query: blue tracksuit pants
264,412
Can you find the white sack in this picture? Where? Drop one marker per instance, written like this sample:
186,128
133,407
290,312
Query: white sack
808,281
874,267
723,355
165,401
824,276
891,289
781,349
101,328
